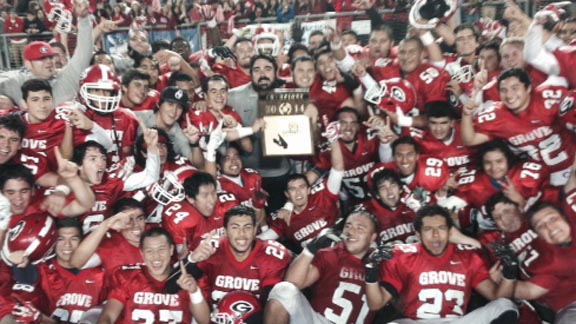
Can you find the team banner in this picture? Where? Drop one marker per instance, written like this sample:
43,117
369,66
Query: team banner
287,130
117,43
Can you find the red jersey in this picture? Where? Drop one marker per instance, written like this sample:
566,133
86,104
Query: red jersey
206,121
453,152
357,163
339,293
107,193
251,183
321,212
115,251
328,96
121,127
566,57
14,27
490,90
434,287
37,162
144,298
537,130
69,295
396,226
187,226
264,267
235,75
431,174
430,82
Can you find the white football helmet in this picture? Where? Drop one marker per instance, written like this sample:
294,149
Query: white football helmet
168,189
62,17
462,74
266,41
100,77
426,14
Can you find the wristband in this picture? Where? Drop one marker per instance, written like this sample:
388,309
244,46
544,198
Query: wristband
405,121
335,46
196,297
288,206
244,131
427,38
63,189
210,155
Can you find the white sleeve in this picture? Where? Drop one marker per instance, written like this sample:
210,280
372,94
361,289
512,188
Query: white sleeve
269,234
537,55
334,182
368,81
99,135
346,64
439,64
146,177
452,203
385,152
93,262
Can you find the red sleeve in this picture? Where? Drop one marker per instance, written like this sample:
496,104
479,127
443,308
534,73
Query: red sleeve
178,222
119,284
391,271
279,226
480,270
277,261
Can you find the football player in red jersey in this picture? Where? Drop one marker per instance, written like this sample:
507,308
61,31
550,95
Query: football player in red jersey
535,115
216,88
244,183
138,293
311,208
239,74
116,241
335,275
199,215
389,206
331,90
61,292
100,93
241,262
434,279
441,138
424,175
525,182
47,129
109,186
360,150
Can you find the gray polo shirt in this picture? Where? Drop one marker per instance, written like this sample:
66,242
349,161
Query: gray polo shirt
244,99
176,134
67,83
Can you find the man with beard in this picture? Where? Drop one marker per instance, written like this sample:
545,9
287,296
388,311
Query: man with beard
244,99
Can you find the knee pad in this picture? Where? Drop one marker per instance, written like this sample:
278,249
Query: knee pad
283,290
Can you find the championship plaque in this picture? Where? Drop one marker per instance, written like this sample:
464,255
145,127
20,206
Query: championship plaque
287,130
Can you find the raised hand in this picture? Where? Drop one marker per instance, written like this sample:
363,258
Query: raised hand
509,260
66,169
26,313
203,251
328,238
191,132
186,281
332,133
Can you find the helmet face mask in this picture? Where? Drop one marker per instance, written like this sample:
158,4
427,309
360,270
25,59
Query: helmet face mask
464,74
167,190
62,17
267,43
100,77
426,14
375,94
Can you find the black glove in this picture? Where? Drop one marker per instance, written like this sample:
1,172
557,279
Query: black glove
324,240
509,259
223,52
373,259
297,31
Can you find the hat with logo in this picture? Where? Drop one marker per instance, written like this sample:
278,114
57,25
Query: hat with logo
38,50
175,95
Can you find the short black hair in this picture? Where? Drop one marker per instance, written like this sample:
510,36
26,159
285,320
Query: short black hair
496,199
431,211
80,151
473,28
297,47
220,156
350,32
16,172
405,140
239,210
305,58
179,76
139,149
100,52
520,74
155,232
496,145
160,44
440,109
134,74
214,77
14,123
123,204
35,85
294,177
385,175
383,28
263,57
70,222
532,211
193,183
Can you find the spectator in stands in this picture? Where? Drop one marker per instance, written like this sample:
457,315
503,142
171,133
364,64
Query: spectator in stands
15,25
285,12
38,63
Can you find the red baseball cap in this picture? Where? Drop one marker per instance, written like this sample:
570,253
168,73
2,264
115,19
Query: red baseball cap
37,51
